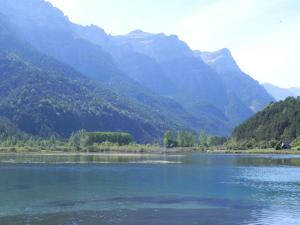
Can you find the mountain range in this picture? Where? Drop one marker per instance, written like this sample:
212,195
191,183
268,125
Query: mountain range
281,93
58,77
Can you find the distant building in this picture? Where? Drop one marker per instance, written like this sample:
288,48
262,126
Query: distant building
286,145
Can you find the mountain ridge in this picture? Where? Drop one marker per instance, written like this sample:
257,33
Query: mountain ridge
157,72
281,93
31,82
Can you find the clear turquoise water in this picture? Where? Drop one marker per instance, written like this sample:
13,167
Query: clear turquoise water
191,189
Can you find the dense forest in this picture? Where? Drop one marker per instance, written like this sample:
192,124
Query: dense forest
279,122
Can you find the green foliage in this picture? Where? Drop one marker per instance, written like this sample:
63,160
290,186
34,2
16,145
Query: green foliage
216,141
183,139
279,122
79,139
169,140
33,143
119,138
8,129
203,139
296,142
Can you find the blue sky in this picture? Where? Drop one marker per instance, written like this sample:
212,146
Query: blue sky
263,35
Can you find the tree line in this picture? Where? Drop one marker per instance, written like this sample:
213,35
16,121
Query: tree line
188,139
77,140
83,138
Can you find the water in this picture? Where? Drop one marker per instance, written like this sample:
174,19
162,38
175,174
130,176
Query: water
208,189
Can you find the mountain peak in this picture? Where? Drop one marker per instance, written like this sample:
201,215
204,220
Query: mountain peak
140,33
156,45
220,60
224,52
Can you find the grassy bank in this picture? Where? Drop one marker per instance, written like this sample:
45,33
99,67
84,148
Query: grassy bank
256,151
135,149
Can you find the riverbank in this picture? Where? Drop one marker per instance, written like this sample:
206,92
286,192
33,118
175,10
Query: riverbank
256,151
133,149
126,149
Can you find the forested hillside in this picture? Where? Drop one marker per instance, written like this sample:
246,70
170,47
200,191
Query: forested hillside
41,96
278,122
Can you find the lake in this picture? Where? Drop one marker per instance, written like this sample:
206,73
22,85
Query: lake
208,189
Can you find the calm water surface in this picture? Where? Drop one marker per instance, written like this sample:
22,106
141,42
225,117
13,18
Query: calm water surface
191,189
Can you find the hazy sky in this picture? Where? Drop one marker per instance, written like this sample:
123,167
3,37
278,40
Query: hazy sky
263,35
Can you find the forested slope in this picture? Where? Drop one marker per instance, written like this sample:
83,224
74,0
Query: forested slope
278,122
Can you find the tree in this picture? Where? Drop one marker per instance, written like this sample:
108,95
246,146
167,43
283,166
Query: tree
211,141
190,139
296,142
79,139
181,139
203,139
168,139
52,141
216,141
185,139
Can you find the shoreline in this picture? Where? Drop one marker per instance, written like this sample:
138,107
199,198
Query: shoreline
161,151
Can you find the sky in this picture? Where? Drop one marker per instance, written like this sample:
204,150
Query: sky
263,35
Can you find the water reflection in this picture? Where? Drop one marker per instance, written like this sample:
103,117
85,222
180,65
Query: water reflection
268,160
149,189
88,158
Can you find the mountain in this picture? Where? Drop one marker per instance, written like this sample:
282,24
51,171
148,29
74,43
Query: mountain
194,81
158,76
185,73
8,129
42,96
279,93
51,33
295,90
169,67
238,83
280,121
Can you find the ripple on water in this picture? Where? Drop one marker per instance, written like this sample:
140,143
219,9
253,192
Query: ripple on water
132,217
